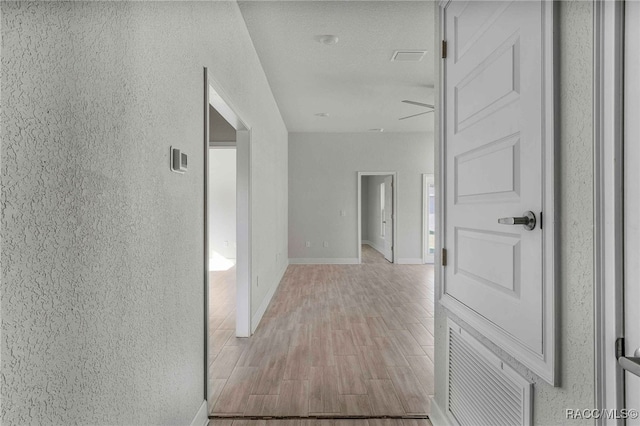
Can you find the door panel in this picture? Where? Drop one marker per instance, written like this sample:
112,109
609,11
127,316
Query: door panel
494,135
388,218
632,202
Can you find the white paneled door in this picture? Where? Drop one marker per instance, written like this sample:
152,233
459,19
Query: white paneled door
498,131
388,218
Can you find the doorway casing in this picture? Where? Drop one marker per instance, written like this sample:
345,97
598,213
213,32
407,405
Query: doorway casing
609,206
394,214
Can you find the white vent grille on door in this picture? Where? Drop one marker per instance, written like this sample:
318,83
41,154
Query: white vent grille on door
483,390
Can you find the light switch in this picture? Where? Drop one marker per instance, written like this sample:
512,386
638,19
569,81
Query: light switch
343,213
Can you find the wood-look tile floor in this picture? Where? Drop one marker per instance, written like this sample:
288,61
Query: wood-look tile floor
336,340
321,422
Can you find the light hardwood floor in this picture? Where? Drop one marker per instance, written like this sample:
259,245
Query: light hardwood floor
336,340
321,422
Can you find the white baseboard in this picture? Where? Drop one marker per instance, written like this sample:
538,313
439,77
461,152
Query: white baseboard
202,416
323,261
257,316
437,416
410,261
367,242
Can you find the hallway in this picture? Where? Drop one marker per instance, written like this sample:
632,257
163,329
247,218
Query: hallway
336,340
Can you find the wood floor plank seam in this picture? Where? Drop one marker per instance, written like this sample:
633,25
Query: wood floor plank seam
403,417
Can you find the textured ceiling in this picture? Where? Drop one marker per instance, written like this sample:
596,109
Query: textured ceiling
354,81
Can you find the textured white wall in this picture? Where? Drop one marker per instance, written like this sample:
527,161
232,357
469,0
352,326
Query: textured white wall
576,282
323,180
222,202
102,246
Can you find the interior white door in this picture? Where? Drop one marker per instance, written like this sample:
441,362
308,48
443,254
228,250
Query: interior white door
495,132
632,203
388,218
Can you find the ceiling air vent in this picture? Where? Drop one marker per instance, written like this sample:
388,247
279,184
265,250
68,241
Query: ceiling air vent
408,55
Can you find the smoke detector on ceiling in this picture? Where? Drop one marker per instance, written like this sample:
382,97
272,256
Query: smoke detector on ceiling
408,55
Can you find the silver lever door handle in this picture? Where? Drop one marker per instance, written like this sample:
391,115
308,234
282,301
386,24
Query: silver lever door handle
528,220
631,364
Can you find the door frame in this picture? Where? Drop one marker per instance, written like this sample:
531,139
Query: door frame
394,215
546,365
608,212
214,96
426,179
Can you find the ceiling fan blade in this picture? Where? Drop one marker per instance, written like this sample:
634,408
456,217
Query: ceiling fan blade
414,115
419,104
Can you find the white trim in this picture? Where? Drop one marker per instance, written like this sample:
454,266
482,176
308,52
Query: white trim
440,161
437,415
426,179
410,261
217,101
205,231
367,242
257,316
222,145
244,233
543,364
202,416
394,216
608,211
323,261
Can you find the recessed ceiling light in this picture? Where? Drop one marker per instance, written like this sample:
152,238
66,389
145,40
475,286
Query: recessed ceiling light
408,55
377,130
327,39
322,114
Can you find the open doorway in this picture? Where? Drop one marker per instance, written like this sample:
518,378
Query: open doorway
428,218
222,229
222,194
377,208
222,214
227,230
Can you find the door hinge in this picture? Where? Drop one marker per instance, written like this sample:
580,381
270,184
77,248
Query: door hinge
444,49
443,257
619,347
